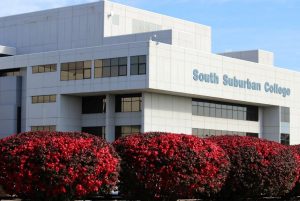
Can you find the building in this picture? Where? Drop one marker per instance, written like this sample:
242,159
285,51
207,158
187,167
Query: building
111,70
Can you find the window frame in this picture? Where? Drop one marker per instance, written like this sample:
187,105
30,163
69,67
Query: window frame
105,67
139,62
78,70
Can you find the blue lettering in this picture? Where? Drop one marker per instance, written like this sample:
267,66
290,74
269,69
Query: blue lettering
225,79
195,74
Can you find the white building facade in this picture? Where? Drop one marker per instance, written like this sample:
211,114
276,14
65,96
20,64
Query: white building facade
111,70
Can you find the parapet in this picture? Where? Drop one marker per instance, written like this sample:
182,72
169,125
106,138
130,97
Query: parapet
257,56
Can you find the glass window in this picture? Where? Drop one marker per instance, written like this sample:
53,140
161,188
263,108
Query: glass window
285,139
114,71
212,110
224,110
44,99
111,67
122,70
44,68
75,70
97,130
87,74
194,108
252,134
79,74
52,98
121,131
35,69
106,71
40,99
10,72
43,128
138,65
41,69
34,99
47,68
128,103
53,67
93,104
206,109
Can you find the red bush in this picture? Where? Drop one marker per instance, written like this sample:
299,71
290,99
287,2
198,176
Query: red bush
258,167
162,166
296,150
57,165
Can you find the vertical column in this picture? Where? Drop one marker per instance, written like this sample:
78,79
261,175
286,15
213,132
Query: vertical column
271,123
110,118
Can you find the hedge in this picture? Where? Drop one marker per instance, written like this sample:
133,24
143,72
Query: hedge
167,166
258,167
57,166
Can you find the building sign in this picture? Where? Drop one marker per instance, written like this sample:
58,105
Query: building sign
229,81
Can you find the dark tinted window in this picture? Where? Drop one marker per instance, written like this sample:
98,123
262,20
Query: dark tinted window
93,104
285,139
224,110
98,131
138,65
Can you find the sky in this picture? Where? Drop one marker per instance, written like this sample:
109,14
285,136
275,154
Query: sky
272,25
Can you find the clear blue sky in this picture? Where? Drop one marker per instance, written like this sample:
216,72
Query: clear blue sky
272,25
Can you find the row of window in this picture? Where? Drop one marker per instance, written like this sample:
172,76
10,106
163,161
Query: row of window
44,99
120,131
123,103
210,132
76,70
10,72
224,110
43,128
44,68
112,67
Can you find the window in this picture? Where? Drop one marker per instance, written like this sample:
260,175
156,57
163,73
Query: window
224,110
93,104
252,134
138,65
98,131
43,99
111,67
285,114
10,72
129,103
285,139
43,128
210,132
76,70
126,130
44,68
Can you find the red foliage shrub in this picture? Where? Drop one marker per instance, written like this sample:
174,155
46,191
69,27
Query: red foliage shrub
258,167
57,165
296,150
163,166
